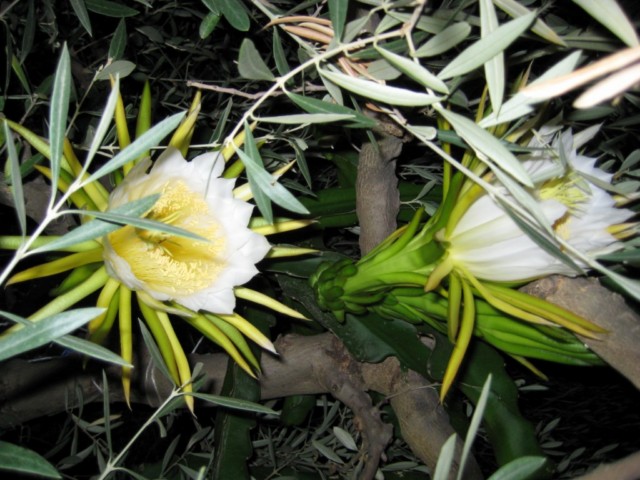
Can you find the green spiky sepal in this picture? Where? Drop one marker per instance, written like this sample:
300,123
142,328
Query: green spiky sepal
328,283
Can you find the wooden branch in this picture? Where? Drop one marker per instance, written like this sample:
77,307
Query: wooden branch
626,469
424,424
589,299
306,365
377,195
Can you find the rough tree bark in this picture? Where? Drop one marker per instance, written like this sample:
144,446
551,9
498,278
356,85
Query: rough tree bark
586,297
306,365
424,423
618,347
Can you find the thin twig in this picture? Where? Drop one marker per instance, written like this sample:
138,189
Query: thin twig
230,91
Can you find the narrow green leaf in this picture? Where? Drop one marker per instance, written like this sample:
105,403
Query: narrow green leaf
515,9
423,132
137,476
235,13
23,461
29,33
267,184
92,350
98,228
235,403
16,179
487,47
307,118
250,63
314,105
379,92
380,69
414,70
334,90
354,28
494,69
19,71
218,134
426,23
143,122
143,223
338,14
105,121
106,412
119,68
119,41
510,434
208,24
445,459
15,318
212,6
58,110
520,104
154,351
45,331
110,9
609,14
278,54
150,138
520,468
487,146
474,425
327,451
445,40
345,439
80,9
253,155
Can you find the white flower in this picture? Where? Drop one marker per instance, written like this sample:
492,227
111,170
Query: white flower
491,246
196,274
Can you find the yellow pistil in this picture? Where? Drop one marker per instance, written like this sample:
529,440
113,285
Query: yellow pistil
167,263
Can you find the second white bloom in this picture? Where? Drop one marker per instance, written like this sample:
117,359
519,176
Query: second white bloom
487,243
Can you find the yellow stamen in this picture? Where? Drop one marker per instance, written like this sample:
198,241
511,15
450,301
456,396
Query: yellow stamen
571,190
623,230
170,264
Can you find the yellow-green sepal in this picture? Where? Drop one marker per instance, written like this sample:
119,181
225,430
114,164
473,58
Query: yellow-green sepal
236,337
266,301
109,298
60,265
213,333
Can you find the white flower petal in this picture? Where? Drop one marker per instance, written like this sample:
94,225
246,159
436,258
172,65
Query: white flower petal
491,246
198,275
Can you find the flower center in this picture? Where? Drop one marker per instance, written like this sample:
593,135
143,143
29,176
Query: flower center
168,263
572,190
